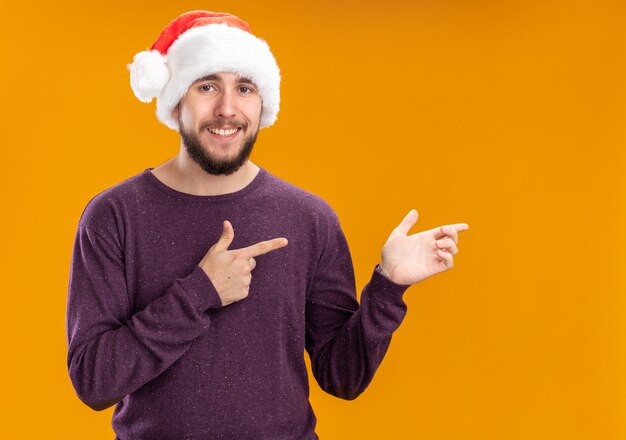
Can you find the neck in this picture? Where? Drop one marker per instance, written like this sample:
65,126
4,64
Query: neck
183,174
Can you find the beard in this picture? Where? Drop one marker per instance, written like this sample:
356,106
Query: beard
206,160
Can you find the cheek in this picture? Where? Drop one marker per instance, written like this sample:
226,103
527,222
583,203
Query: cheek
188,117
253,110
191,110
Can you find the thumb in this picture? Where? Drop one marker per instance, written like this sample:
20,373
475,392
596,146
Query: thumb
407,222
228,234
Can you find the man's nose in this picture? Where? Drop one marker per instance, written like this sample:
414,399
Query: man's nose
225,106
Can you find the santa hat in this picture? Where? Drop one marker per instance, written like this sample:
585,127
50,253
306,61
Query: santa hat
197,44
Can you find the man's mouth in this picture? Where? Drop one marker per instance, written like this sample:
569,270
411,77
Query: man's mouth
224,133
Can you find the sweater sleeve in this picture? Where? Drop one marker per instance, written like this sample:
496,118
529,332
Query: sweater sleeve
347,342
111,351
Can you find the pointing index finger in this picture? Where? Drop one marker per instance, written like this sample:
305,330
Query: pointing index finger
263,247
450,230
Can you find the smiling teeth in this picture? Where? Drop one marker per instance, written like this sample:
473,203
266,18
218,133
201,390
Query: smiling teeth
223,132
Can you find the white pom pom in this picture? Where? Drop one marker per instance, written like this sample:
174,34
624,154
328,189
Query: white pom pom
148,74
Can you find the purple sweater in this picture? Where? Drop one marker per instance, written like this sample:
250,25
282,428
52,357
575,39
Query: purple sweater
146,328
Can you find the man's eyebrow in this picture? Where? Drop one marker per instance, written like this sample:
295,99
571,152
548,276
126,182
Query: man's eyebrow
246,80
214,77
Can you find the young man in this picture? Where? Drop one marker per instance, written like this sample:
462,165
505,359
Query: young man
196,286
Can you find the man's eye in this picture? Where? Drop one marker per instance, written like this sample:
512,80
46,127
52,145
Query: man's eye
206,87
245,89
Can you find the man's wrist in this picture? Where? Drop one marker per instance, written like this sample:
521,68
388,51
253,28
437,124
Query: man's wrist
382,271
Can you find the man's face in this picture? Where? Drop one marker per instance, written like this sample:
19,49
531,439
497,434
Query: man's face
219,119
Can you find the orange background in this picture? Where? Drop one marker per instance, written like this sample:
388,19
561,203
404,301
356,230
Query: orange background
507,115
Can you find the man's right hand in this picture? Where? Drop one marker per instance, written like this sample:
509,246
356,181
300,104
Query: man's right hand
230,270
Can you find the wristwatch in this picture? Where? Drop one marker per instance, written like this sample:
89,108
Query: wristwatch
380,270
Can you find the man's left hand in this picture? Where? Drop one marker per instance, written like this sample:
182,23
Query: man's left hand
409,259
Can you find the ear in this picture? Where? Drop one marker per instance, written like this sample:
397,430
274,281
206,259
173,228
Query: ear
176,111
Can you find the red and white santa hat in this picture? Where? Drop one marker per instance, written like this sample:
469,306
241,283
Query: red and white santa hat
200,43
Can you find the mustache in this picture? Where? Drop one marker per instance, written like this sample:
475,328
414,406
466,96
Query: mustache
221,122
